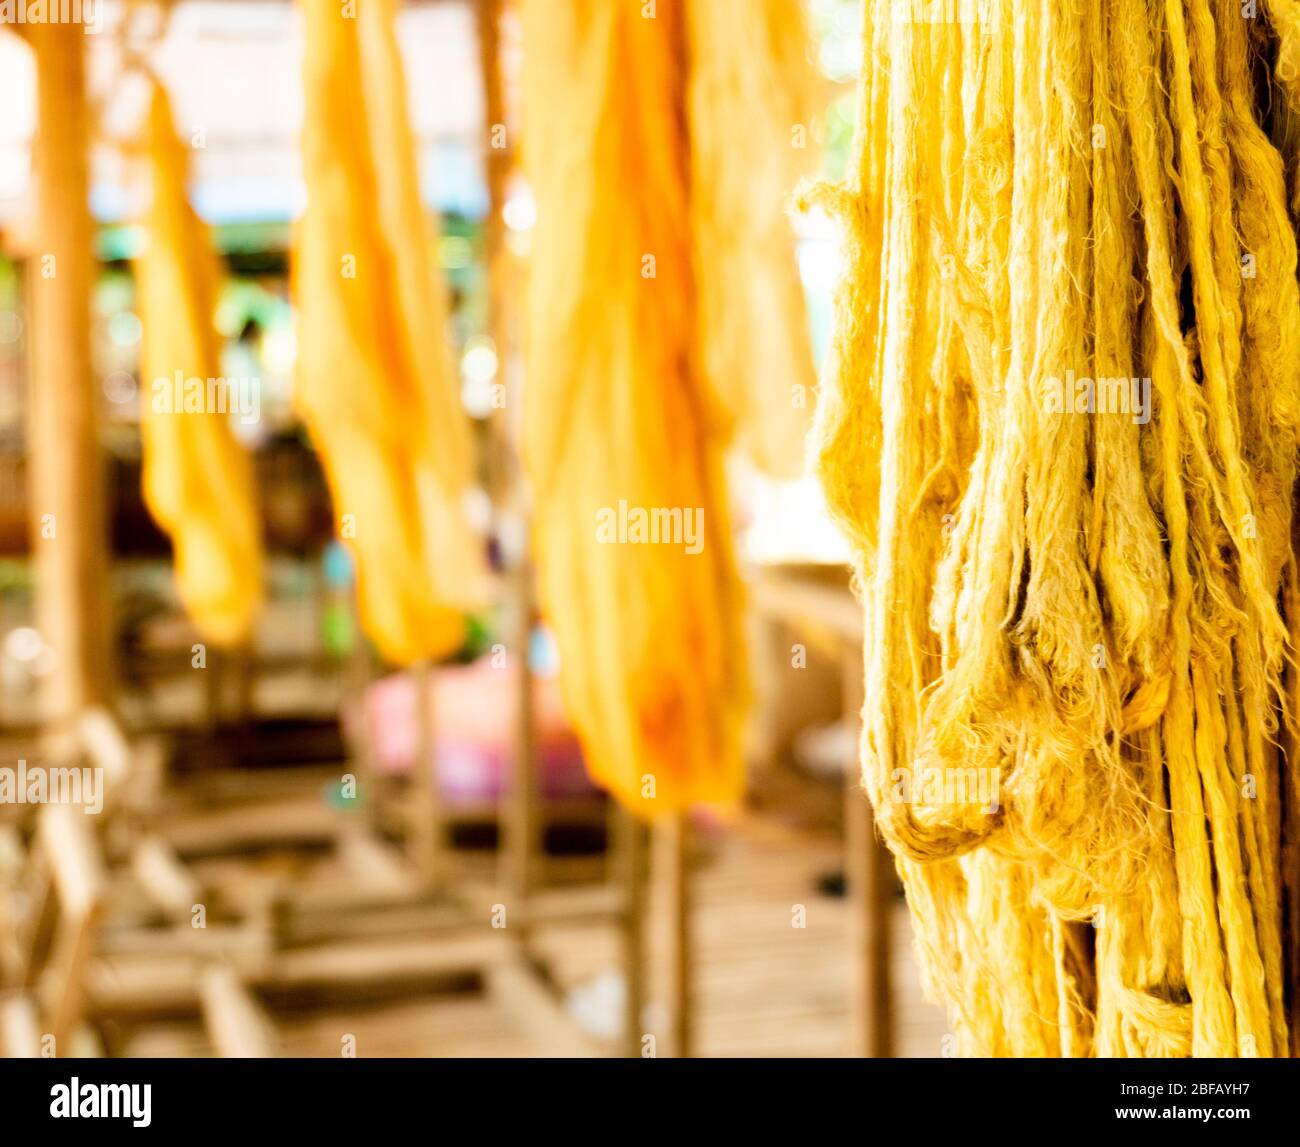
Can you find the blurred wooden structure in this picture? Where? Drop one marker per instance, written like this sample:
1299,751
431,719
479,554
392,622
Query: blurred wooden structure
68,888
791,597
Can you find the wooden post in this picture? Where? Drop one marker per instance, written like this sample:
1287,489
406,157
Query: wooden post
212,682
65,474
426,808
629,848
672,875
496,169
518,818
521,820
869,874
358,677
245,658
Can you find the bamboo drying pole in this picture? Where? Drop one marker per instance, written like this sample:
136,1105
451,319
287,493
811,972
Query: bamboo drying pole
65,480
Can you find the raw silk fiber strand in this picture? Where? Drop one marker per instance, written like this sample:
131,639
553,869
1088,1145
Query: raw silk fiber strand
1059,427
664,321
375,384
197,479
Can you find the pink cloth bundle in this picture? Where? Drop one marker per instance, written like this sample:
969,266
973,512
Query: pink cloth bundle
474,719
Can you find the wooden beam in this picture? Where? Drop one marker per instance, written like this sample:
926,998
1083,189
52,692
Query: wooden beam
37,929
301,821
168,883
104,744
580,904
395,958
236,1023
368,920
78,882
63,983
12,908
244,943
152,985
73,854
346,911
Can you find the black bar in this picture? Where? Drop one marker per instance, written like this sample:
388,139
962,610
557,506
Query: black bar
564,1098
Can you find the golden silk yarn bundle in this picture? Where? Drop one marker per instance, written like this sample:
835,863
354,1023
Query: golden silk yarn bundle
197,479
750,97
375,383
664,321
1059,426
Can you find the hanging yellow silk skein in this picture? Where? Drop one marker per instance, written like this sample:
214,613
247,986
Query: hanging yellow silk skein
1060,429
751,97
616,411
197,479
664,320
374,382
